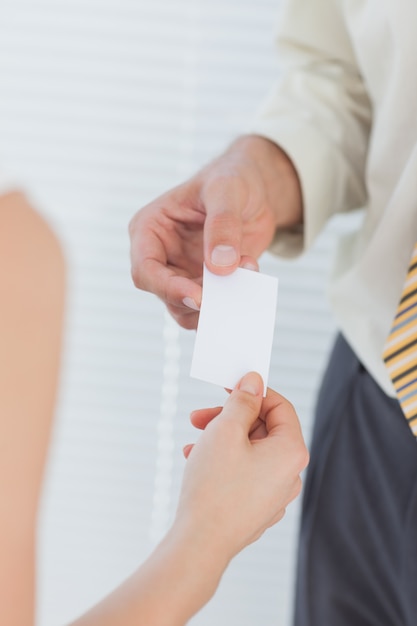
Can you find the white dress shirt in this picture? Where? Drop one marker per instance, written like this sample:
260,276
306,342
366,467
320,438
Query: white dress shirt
345,111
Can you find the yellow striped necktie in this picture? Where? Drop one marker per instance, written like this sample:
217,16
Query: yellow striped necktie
400,350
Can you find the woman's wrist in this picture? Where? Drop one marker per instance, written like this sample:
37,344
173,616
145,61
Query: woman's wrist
198,560
174,583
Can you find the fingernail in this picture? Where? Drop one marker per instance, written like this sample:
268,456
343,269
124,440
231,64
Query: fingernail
223,256
251,383
187,449
190,303
250,266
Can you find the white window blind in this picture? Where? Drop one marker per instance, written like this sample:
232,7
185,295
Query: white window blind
105,104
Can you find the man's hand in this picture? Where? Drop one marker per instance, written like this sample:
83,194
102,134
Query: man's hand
226,216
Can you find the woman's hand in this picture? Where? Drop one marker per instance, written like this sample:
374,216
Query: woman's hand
245,468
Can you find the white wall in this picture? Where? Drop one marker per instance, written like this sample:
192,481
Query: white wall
104,104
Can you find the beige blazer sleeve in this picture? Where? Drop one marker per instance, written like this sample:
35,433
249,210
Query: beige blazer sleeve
319,113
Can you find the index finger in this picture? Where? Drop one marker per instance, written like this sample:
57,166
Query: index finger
283,426
151,270
278,413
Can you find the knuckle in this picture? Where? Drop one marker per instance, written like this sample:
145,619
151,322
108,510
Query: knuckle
224,180
301,457
224,224
297,488
278,516
227,187
294,490
138,277
280,402
247,400
289,406
305,458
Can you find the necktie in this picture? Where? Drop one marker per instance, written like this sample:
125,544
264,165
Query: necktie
400,350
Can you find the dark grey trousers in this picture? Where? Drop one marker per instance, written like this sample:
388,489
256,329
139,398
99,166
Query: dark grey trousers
357,561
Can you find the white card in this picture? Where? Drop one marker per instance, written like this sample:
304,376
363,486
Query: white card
236,327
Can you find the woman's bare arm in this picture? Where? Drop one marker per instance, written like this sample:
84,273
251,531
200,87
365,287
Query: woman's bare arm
31,311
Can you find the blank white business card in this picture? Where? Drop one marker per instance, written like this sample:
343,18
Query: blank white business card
236,327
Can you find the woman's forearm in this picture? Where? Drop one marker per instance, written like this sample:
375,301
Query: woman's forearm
176,581
233,489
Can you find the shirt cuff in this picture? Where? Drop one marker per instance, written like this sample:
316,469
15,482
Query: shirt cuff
319,169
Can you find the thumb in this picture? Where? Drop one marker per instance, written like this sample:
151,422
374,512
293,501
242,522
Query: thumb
224,200
244,403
